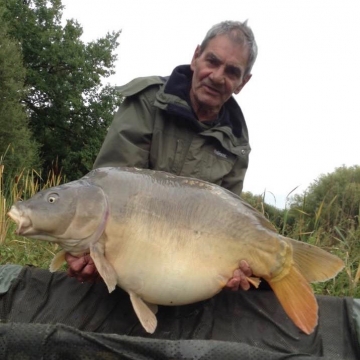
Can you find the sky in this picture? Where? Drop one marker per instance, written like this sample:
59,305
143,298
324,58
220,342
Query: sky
302,104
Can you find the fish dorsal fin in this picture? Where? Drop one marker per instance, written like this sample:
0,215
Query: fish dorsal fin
314,263
297,299
144,313
57,261
104,268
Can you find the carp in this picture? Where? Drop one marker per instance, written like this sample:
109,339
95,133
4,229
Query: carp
172,240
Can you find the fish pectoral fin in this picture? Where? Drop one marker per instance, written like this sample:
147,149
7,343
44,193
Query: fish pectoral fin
57,261
104,268
298,300
255,281
144,313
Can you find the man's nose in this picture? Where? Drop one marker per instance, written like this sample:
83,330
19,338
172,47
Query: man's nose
217,76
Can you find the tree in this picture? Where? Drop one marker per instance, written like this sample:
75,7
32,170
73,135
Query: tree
70,109
17,149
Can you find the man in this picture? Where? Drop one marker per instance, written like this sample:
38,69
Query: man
188,123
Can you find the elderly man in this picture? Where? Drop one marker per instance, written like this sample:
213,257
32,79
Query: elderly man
188,123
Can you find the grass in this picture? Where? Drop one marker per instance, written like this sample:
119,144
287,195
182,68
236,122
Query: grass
341,239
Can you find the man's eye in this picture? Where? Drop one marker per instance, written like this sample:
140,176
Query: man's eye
233,73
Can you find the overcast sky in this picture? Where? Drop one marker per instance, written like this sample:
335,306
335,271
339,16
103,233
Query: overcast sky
302,105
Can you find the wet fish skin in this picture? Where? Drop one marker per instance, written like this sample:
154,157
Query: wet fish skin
171,240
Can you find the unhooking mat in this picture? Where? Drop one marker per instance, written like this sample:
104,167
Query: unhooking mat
52,316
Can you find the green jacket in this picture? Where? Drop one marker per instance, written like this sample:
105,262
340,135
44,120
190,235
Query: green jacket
156,128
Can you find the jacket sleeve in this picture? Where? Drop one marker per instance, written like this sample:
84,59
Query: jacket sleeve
234,181
128,140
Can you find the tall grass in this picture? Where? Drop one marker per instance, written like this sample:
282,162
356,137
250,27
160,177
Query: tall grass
340,237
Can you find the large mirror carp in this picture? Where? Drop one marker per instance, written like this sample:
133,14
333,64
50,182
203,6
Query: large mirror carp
169,240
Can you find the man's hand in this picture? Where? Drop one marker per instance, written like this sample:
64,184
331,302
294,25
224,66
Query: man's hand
82,268
239,279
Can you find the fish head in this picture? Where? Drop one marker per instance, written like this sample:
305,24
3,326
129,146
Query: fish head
65,214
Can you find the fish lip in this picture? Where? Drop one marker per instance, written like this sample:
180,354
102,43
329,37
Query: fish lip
24,224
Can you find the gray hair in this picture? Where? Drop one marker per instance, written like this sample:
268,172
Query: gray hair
237,31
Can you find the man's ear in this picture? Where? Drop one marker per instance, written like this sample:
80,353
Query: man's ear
195,56
243,83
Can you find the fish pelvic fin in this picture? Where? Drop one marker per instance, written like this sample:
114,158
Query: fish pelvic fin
314,263
104,268
57,261
297,298
144,313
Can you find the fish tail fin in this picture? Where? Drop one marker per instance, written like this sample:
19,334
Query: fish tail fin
314,263
297,298
310,264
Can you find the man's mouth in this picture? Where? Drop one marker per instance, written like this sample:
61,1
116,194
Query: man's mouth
211,90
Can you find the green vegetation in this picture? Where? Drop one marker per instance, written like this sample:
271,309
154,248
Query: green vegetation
326,215
68,107
15,136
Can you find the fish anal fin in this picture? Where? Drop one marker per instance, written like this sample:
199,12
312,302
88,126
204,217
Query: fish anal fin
104,268
314,263
57,261
144,313
298,300
255,281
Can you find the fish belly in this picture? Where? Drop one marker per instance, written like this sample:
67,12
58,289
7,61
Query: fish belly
170,287
165,272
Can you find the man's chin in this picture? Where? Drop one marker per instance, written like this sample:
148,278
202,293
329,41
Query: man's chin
210,100
207,102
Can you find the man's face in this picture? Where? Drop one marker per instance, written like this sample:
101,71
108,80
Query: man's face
218,73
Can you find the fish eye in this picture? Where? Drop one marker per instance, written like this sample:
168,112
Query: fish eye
52,198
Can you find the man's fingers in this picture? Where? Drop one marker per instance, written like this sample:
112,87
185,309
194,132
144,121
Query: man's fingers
239,279
76,264
244,283
245,268
82,268
233,284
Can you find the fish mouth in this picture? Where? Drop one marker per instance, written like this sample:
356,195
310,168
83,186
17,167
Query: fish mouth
24,224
